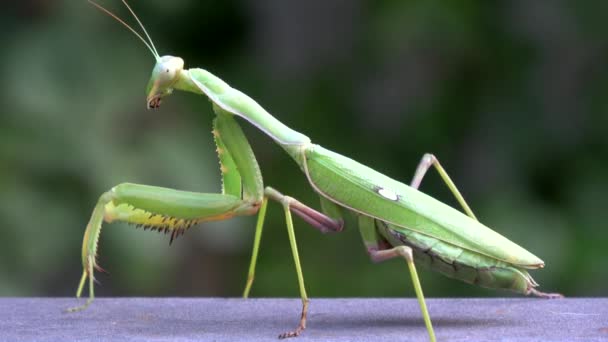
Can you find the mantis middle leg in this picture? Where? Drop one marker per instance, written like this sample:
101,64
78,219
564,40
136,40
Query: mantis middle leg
316,219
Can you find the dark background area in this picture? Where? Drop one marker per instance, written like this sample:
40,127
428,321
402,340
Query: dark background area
509,95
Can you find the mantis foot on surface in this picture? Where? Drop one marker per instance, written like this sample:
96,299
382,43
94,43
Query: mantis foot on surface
301,326
546,295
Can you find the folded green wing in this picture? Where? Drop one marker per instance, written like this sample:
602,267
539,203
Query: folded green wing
364,190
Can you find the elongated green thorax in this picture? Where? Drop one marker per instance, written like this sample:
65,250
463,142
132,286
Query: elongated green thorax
234,101
168,74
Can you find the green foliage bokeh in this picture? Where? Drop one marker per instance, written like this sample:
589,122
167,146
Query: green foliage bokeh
510,96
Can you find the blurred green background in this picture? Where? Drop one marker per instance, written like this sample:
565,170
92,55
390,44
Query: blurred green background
509,95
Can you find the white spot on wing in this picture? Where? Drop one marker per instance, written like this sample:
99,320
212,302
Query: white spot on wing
388,194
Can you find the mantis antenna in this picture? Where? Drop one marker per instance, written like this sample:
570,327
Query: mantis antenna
141,25
150,45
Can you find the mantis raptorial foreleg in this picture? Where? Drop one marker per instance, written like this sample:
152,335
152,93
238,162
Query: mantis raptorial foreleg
424,165
379,250
155,208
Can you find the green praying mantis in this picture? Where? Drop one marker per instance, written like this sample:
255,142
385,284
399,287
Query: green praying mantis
395,220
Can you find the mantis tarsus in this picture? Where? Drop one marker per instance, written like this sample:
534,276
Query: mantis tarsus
395,220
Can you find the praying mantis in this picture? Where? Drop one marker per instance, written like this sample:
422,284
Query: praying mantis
395,220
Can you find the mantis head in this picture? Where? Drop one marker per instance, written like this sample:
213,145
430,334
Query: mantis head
167,69
164,75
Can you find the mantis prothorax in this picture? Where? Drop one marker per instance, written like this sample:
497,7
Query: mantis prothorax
395,219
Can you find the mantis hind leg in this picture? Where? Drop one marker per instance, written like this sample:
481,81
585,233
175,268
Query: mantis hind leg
535,292
380,250
424,165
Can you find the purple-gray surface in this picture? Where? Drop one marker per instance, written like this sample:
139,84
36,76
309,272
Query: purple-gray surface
350,319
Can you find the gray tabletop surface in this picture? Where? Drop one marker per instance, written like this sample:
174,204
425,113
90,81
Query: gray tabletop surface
347,319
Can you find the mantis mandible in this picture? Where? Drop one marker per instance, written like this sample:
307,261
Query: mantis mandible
395,220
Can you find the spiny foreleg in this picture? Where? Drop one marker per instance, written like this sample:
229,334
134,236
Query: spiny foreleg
166,210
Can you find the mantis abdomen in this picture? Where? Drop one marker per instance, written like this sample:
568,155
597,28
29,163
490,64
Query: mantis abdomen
458,263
